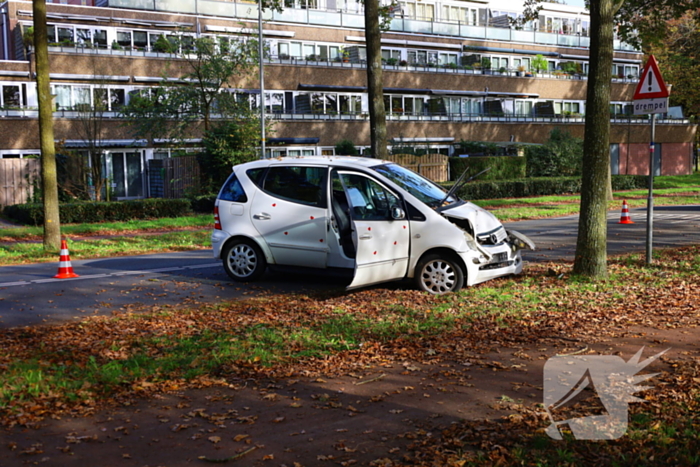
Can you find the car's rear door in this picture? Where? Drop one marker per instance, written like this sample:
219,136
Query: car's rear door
290,211
382,242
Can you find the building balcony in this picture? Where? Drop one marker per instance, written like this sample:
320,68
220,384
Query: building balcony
355,20
392,116
449,68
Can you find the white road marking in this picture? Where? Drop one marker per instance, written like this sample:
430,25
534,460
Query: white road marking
661,216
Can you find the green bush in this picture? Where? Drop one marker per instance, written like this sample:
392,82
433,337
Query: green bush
543,186
561,155
346,147
502,167
204,203
227,144
92,212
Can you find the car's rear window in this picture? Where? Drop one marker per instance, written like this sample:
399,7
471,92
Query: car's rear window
233,191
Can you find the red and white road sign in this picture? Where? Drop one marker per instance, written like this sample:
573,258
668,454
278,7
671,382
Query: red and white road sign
651,84
651,95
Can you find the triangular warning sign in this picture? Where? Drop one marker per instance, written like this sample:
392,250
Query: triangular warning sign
651,85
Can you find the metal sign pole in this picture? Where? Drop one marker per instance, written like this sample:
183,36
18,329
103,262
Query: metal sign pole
650,198
261,53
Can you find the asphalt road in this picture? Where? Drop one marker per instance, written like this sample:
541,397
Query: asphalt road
29,295
555,238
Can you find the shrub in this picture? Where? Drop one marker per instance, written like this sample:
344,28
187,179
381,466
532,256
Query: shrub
225,145
561,155
92,212
539,63
346,148
502,168
204,203
544,186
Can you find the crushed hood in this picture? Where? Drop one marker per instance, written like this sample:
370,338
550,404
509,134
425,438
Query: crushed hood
482,220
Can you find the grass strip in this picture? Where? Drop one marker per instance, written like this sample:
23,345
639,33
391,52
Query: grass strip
195,221
107,247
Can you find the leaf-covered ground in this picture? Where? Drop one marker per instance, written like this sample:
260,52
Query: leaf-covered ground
382,376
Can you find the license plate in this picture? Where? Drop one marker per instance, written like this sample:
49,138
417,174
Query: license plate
500,257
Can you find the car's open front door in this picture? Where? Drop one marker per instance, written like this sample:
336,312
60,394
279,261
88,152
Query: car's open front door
381,231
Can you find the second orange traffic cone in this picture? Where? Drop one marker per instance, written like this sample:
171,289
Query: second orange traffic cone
65,269
625,215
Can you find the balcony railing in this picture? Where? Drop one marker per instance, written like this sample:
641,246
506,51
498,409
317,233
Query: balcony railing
359,64
459,117
355,20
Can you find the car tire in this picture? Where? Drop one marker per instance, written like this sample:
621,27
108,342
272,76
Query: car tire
439,274
243,260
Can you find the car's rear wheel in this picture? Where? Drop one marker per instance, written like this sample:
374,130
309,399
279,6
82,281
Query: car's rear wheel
243,260
439,274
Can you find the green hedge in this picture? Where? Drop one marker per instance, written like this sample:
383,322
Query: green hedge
543,186
204,203
502,167
91,212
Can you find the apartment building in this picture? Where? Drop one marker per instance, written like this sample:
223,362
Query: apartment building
453,71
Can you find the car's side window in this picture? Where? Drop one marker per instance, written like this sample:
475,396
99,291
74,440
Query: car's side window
368,199
233,191
413,213
304,185
256,176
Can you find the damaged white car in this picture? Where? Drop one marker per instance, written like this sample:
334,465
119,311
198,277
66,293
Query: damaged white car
371,218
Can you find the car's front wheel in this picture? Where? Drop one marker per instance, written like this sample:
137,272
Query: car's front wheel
243,260
439,274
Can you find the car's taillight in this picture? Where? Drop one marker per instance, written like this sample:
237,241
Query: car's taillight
217,221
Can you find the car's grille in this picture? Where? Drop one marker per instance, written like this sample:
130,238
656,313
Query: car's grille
494,237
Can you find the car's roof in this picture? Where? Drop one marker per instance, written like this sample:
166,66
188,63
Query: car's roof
341,161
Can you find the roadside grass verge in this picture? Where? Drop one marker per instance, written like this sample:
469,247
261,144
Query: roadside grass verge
106,247
195,221
79,366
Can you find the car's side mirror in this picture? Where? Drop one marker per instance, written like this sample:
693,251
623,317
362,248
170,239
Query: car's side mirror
397,213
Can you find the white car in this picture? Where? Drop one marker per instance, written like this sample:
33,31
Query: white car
372,218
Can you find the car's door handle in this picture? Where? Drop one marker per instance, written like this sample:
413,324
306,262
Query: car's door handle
365,237
263,216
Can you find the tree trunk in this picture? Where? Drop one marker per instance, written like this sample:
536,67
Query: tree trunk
591,246
375,83
52,224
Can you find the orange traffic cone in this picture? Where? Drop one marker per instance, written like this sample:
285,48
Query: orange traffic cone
65,270
625,216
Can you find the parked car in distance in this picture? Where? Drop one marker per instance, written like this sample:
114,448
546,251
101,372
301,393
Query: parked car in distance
373,218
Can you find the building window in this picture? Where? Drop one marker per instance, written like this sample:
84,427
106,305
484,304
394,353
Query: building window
84,36
10,96
140,40
65,35
124,39
100,38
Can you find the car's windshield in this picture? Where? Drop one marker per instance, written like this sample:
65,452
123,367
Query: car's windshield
420,187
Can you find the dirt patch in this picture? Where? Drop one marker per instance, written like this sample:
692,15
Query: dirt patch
359,418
